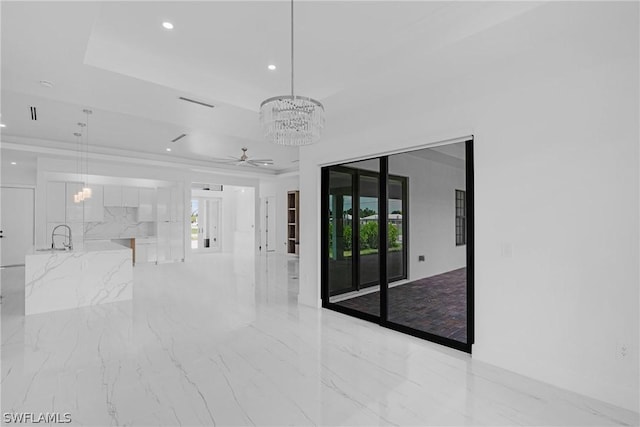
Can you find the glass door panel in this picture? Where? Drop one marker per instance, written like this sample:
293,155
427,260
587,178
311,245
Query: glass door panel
433,299
364,294
368,230
195,226
396,260
340,254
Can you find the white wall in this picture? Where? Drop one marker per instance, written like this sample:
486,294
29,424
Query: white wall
278,187
22,176
432,188
243,222
556,188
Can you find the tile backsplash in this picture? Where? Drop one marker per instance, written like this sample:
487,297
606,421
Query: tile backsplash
119,223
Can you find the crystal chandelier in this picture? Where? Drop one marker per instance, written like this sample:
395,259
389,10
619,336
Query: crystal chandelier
291,119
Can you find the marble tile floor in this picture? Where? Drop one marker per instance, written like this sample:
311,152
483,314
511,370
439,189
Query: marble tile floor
221,340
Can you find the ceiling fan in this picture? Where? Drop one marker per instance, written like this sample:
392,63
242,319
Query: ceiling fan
245,160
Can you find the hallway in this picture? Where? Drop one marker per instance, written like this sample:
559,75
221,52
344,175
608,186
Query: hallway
221,340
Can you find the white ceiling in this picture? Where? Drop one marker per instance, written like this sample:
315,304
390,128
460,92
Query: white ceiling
116,59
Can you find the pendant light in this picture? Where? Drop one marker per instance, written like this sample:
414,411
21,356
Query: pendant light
86,190
77,197
291,119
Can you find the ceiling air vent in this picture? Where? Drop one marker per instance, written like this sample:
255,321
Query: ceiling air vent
204,104
34,115
179,137
206,187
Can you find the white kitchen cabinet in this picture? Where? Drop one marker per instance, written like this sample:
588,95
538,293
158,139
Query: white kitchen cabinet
176,241
94,206
56,202
74,211
170,224
130,197
146,211
164,241
176,206
146,250
152,252
141,252
170,204
112,195
119,196
164,202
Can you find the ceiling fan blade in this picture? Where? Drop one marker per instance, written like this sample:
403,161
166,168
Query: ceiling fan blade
263,161
224,160
253,163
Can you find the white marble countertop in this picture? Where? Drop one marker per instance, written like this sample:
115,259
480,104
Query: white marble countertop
102,245
92,273
89,246
140,236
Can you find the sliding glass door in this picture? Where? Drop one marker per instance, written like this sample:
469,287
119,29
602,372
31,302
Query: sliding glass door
419,279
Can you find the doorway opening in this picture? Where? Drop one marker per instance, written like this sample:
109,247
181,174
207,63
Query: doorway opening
17,221
205,234
206,224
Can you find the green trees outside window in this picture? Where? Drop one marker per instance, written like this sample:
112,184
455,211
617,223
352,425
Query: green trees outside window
368,237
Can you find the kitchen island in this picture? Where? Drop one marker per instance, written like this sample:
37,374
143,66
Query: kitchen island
99,273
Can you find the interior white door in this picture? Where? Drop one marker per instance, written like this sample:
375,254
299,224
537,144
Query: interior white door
16,224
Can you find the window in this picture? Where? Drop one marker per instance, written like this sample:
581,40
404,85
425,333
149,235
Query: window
461,218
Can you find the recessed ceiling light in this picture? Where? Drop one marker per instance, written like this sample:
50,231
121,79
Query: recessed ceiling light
2,125
46,83
271,67
13,163
167,25
168,149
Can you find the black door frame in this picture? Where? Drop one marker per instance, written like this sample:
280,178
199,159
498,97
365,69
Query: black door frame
382,253
355,222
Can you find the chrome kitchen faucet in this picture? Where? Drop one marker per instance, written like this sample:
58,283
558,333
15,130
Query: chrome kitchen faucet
68,243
